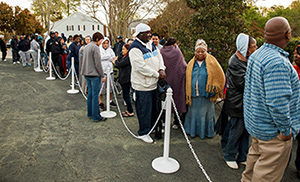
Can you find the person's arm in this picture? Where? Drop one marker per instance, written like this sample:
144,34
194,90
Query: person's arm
97,61
122,62
162,73
72,50
278,93
137,61
48,47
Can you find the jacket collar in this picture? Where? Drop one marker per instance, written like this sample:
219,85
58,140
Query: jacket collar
278,49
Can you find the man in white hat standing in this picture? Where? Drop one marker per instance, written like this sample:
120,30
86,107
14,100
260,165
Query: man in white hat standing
147,67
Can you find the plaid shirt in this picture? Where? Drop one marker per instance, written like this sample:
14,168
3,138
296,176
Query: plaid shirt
272,94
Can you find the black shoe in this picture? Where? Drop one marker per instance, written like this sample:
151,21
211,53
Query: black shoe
112,104
101,105
100,120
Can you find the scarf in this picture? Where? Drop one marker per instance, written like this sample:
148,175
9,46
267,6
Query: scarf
215,78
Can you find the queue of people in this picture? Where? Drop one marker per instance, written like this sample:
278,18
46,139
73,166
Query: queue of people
262,95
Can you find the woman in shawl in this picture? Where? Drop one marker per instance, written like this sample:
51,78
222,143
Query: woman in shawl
175,76
204,85
235,139
107,56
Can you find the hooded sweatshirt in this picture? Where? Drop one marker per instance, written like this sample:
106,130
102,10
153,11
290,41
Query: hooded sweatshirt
106,56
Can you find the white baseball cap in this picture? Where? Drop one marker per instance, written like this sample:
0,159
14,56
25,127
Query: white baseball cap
142,27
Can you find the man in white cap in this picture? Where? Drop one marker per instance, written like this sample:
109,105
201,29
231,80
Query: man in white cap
147,67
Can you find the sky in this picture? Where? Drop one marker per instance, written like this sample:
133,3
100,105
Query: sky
267,3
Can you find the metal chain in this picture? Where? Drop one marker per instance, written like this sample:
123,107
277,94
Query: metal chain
58,74
189,143
135,136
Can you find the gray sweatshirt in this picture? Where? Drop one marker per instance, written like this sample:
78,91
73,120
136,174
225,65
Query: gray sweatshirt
91,62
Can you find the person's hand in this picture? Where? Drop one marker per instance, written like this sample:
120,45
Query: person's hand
285,138
162,74
103,80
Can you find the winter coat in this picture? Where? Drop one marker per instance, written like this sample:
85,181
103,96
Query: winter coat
106,56
53,45
118,48
23,45
235,86
74,51
3,46
124,69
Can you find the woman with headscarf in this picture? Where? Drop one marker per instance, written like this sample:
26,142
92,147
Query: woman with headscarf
204,85
107,56
175,76
236,134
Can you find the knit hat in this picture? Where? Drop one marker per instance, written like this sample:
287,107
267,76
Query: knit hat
142,27
201,44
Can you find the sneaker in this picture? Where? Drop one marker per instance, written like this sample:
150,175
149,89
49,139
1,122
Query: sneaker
100,120
14,63
18,62
4,60
29,65
101,105
24,66
243,163
146,138
232,164
175,127
112,104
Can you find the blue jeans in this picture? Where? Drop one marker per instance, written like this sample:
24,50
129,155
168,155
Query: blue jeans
145,106
238,140
126,96
44,55
93,84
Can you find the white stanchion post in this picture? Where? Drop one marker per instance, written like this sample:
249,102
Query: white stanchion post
108,113
38,69
50,68
166,164
73,90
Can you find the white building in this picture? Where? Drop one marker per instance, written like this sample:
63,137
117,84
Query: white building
78,23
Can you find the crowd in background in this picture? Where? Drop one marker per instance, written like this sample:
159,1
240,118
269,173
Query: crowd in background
261,89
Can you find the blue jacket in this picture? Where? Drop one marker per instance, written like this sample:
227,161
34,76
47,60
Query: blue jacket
74,51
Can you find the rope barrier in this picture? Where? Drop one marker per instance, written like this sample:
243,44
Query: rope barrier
43,66
189,143
135,136
58,74
80,86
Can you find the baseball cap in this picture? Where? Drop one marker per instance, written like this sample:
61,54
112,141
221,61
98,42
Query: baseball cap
119,37
142,27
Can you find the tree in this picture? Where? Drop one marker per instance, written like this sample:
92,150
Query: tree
71,6
6,17
119,14
48,11
25,22
218,22
166,23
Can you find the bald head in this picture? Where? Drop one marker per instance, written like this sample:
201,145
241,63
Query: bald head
278,31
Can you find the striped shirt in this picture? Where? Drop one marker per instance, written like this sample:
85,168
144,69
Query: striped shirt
272,94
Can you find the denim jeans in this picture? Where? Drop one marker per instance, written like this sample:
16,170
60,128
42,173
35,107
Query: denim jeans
126,96
238,140
145,105
93,84
44,55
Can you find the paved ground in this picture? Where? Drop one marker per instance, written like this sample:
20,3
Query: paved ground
45,136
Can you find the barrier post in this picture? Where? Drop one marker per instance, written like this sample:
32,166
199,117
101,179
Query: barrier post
108,113
50,68
166,164
73,90
38,69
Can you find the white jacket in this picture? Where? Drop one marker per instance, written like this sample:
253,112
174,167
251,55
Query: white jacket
144,72
106,56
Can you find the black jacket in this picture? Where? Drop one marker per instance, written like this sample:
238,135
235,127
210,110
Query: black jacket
3,46
123,63
235,86
118,48
23,45
14,44
53,45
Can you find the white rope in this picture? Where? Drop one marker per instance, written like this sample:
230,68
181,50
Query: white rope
79,85
43,66
135,136
58,74
189,143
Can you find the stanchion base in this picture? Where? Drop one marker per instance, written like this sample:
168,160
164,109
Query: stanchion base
108,114
73,91
38,70
165,165
50,78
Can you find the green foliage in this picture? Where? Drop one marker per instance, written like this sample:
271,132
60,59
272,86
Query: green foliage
218,22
